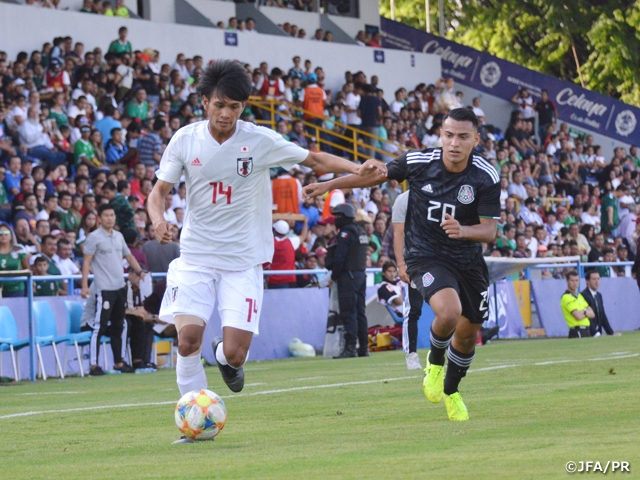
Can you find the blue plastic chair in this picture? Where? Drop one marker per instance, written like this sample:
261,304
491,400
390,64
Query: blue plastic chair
47,334
75,336
396,318
9,339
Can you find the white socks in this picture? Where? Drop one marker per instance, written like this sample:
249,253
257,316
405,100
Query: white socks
220,358
190,373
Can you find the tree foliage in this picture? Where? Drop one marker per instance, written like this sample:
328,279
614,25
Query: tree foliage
542,35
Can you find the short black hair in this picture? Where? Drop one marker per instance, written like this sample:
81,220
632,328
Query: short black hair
109,185
588,274
225,78
122,185
40,259
571,273
104,207
63,194
63,241
463,115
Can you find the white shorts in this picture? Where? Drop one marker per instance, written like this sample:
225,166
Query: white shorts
193,290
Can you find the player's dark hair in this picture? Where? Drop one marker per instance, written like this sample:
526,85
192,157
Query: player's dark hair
571,273
225,78
463,115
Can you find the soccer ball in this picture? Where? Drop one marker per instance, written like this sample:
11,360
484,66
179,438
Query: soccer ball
200,414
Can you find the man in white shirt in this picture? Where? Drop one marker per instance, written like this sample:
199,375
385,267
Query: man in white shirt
63,259
529,213
34,137
351,104
478,111
227,234
516,188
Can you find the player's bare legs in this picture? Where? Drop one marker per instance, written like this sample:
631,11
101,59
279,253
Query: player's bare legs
231,353
236,343
189,370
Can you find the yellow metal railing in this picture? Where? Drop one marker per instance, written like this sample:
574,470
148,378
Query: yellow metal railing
351,136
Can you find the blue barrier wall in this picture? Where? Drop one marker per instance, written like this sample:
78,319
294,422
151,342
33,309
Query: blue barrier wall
285,314
620,297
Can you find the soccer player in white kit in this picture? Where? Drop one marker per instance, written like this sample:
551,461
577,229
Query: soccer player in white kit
227,233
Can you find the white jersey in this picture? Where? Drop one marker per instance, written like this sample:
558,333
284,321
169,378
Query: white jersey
228,223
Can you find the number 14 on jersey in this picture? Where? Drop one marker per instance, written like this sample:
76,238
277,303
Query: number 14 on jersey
219,191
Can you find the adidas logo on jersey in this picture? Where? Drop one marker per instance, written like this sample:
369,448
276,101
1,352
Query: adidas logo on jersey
196,163
427,188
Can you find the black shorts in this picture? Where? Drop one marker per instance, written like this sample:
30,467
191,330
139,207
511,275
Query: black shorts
471,283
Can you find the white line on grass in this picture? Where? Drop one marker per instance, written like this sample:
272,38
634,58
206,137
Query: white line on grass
308,378
48,393
308,387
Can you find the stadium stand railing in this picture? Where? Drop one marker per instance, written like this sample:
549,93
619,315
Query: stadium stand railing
353,143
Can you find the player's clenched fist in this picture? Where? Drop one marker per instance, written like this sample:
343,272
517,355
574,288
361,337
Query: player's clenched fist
164,232
452,227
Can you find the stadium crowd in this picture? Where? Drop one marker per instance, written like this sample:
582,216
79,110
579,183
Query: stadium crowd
83,127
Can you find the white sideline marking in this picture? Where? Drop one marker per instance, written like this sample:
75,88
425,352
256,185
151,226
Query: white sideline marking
254,384
308,387
308,378
48,393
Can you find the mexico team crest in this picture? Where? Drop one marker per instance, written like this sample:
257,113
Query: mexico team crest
427,279
465,195
245,166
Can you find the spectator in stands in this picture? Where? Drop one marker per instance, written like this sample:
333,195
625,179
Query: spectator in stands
622,255
575,309
34,137
516,188
150,146
138,106
43,288
609,209
158,255
64,261
123,211
284,254
116,149
596,303
48,250
12,258
529,213
547,113
121,44
370,113
308,279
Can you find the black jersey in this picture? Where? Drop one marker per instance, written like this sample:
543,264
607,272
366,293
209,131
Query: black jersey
434,192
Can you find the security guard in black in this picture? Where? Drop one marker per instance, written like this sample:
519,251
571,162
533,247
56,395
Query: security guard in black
347,270
435,261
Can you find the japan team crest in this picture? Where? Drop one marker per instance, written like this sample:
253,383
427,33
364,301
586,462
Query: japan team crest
465,195
245,166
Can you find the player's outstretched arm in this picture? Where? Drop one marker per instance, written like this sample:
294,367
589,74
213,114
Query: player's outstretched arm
485,231
348,181
326,163
155,207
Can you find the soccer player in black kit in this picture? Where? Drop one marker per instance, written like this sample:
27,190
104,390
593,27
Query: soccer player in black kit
454,205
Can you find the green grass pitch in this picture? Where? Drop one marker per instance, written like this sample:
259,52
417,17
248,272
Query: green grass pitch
534,405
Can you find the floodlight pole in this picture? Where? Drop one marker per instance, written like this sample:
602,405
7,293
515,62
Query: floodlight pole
393,9
428,15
